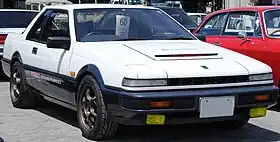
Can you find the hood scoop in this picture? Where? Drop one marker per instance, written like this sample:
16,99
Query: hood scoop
187,55
168,50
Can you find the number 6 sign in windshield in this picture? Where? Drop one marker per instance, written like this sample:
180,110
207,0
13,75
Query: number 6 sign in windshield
122,25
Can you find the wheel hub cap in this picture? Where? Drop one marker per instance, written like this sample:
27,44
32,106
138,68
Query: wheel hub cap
88,109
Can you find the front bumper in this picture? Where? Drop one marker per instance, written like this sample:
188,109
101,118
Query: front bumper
131,108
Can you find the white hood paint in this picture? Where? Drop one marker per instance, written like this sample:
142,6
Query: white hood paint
169,48
139,56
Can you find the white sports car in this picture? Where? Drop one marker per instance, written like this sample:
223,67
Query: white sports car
132,65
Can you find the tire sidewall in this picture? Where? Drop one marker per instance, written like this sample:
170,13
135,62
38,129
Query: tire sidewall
89,81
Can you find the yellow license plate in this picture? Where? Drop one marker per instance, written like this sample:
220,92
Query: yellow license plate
155,119
257,112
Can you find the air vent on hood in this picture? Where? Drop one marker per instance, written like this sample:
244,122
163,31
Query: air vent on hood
208,80
187,55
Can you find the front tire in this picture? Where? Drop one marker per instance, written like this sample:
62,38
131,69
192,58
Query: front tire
91,111
20,94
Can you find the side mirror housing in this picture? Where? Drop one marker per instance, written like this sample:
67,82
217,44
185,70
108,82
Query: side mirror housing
242,35
58,42
201,37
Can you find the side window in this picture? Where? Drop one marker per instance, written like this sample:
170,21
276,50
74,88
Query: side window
35,32
245,21
57,24
214,26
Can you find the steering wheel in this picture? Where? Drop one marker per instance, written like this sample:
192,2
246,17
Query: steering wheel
94,33
274,32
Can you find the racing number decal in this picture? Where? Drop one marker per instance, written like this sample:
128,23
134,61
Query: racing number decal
123,22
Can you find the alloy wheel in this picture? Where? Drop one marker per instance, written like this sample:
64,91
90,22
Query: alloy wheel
88,108
15,83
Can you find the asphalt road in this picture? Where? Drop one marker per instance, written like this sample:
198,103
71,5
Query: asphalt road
53,123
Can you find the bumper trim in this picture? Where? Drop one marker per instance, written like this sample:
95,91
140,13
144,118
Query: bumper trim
194,92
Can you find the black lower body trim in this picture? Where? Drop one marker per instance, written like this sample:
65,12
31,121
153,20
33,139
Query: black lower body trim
131,108
5,66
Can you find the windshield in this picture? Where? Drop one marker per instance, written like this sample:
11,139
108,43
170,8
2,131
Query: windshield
16,19
179,15
115,24
272,21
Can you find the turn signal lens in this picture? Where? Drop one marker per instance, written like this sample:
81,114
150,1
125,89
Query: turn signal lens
262,97
161,104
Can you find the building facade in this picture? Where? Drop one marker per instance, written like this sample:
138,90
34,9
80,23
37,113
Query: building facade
236,3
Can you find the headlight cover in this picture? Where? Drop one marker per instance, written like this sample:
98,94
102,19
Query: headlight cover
144,82
261,77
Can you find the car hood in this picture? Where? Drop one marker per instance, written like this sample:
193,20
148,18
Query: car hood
184,58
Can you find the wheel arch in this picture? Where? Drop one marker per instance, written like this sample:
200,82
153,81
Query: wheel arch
16,57
89,69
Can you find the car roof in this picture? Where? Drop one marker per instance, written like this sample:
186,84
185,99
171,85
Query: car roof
88,6
19,10
251,8
248,8
197,14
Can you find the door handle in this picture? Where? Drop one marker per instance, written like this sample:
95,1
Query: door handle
34,50
217,43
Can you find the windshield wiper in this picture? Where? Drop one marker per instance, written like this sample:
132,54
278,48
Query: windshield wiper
180,38
132,38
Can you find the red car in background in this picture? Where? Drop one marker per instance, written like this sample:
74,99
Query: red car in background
253,31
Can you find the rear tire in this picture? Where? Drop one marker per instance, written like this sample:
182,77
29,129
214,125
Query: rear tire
20,94
91,111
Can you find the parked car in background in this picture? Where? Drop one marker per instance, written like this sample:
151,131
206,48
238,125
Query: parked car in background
253,31
180,15
197,17
174,4
40,4
132,65
130,2
13,21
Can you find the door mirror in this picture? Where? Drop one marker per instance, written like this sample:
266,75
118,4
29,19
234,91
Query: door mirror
58,42
242,35
201,37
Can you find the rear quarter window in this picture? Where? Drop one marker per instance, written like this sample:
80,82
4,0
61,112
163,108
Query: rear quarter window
16,19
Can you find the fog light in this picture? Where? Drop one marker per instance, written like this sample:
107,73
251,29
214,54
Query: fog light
155,119
257,112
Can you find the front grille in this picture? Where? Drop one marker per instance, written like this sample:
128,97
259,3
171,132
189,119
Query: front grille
207,80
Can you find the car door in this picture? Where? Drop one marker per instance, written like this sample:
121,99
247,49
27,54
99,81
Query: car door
241,32
50,67
255,44
213,28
